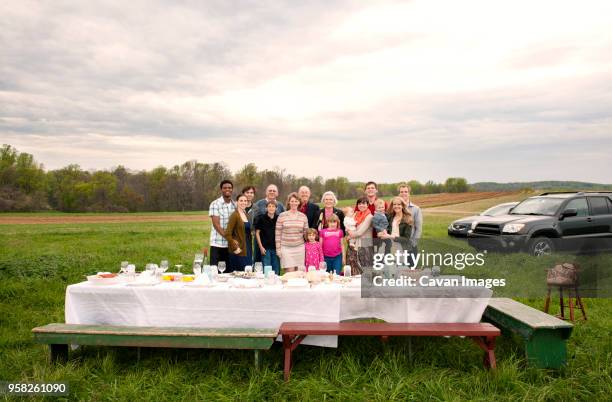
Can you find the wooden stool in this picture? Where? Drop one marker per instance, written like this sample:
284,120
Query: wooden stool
572,301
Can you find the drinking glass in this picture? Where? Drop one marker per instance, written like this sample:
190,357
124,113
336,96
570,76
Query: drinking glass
248,269
199,258
150,268
322,266
302,268
347,271
197,269
178,267
124,265
221,266
258,267
164,265
131,271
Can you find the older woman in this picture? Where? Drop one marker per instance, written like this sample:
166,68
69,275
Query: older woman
329,201
238,235
361,256
291,228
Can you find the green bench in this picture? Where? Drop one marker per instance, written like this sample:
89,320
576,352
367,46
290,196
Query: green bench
60,336
544,336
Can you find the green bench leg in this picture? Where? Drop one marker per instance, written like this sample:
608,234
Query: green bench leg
256,359
546,349
58,353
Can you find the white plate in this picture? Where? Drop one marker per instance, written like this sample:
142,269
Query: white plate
96,280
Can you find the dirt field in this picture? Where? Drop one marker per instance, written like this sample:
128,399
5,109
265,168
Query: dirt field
102,218
444,199
424,201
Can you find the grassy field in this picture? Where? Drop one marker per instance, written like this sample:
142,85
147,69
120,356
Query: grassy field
37,262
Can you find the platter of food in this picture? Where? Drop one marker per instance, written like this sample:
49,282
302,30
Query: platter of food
104,278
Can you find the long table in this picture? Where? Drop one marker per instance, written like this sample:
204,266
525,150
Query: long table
223,306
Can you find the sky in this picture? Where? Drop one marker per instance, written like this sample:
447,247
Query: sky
389,91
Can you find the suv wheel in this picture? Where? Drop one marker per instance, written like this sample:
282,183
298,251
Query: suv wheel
541,246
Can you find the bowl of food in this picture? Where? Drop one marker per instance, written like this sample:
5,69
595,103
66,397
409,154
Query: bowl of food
172,277
223,277
104,278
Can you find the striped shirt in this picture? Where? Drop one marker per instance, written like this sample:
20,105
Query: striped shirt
223,210
290,229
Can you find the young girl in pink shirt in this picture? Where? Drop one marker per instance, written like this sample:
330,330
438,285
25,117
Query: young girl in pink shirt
332,244
314,252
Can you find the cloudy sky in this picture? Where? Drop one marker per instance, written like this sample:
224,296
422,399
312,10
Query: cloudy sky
488,90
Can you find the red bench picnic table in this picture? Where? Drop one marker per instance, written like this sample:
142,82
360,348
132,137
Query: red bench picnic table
483,334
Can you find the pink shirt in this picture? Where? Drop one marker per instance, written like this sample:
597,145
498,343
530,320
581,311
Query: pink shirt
314,254
332,241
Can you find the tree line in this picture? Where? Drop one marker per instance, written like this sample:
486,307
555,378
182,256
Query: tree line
191,186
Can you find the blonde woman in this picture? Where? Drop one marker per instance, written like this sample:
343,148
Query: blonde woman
400,221
291,228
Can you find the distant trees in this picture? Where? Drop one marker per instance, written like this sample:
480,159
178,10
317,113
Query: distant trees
25,186
22,182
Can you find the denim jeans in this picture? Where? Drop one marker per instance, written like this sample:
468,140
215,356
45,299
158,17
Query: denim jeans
334,263
271,259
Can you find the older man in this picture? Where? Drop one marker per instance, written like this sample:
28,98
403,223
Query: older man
308,208
417,216
260,208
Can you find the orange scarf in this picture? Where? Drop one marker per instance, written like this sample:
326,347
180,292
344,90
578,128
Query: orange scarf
361,215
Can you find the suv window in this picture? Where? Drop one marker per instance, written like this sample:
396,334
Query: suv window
599,206
609,205
581,206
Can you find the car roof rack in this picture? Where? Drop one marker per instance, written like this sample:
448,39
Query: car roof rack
577,192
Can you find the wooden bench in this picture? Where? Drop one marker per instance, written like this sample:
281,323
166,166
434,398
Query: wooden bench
544,336
293,333
59,336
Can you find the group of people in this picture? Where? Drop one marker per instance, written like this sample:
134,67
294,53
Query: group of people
301,233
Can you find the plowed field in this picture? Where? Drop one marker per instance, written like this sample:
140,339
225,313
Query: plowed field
424,201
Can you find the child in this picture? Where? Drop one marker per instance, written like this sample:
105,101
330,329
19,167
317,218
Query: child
350,225
314,252
332,245
380,224
265,233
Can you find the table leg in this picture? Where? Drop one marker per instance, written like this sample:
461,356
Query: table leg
256,359
547,302
287,349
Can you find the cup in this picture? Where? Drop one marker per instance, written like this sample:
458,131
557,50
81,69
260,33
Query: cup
267,270
248,269
271,277
347,271
131,272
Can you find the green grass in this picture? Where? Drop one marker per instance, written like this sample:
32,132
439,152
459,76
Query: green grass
37,262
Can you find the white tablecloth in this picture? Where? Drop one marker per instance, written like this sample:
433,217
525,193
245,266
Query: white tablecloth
171,305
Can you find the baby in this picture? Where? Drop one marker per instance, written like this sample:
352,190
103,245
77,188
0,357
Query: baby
349,224
380,224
